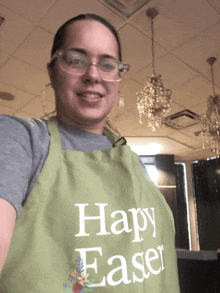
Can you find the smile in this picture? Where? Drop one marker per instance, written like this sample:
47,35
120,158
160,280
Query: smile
90,95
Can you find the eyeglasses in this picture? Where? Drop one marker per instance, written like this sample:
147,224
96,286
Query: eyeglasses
76,63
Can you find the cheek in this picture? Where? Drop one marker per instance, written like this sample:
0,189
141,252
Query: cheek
113,91
65,85
62,82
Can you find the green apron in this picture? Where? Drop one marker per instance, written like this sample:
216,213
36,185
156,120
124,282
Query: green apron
96,208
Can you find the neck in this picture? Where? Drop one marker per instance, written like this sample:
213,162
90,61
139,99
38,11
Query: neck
93,127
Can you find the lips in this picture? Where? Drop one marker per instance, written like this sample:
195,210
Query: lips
93,95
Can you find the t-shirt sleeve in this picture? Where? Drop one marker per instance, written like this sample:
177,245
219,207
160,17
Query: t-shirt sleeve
15,161
24,145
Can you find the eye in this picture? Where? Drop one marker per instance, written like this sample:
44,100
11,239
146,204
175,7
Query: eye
75,59
107,65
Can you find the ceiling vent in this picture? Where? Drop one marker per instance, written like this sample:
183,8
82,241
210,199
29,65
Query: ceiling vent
127,7
182,119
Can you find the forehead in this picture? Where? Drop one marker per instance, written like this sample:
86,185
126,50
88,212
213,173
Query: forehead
92,36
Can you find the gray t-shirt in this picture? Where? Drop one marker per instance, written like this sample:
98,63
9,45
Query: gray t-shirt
24,146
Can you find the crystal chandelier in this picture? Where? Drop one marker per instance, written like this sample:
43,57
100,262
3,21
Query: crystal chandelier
211,120
153,100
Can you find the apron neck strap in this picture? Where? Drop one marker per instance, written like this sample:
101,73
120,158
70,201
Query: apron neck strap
52,125
114,139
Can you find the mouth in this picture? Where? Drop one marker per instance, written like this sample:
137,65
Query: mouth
90,95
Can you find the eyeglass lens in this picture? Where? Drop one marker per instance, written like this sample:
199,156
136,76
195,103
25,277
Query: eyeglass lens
76,63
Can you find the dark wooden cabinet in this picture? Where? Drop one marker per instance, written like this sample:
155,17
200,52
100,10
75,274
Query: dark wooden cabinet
199,271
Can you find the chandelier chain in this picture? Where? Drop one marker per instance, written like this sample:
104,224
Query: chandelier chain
213,84
153,51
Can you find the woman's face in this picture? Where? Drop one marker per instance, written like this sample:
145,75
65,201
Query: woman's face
85,101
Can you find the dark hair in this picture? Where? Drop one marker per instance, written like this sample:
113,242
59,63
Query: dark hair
60,35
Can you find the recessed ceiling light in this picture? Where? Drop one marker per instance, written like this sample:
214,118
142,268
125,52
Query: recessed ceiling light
6,96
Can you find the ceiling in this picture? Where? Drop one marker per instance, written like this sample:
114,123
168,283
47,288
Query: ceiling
187,32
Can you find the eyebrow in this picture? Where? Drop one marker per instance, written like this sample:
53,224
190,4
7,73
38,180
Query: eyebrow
85,53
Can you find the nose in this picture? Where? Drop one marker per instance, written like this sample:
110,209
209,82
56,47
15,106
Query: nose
92,74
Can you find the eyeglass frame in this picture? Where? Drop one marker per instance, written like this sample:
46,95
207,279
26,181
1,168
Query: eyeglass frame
125,67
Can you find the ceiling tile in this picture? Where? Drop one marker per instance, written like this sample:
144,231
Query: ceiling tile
189,131
32,10
139,55
200,108
128,125
197,154
195,52
63,10
21,98
129,88
178,21
14,30
35,109
191,93
35,50
147,131
49,94
183,138
215,4
24,77
48,107
22,115
174,108
127,122
6,110
174,72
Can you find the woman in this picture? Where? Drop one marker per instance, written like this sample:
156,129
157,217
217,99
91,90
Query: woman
86,207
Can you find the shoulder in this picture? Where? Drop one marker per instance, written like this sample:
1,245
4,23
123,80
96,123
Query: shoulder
22,128
12,124
29,135
24,145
